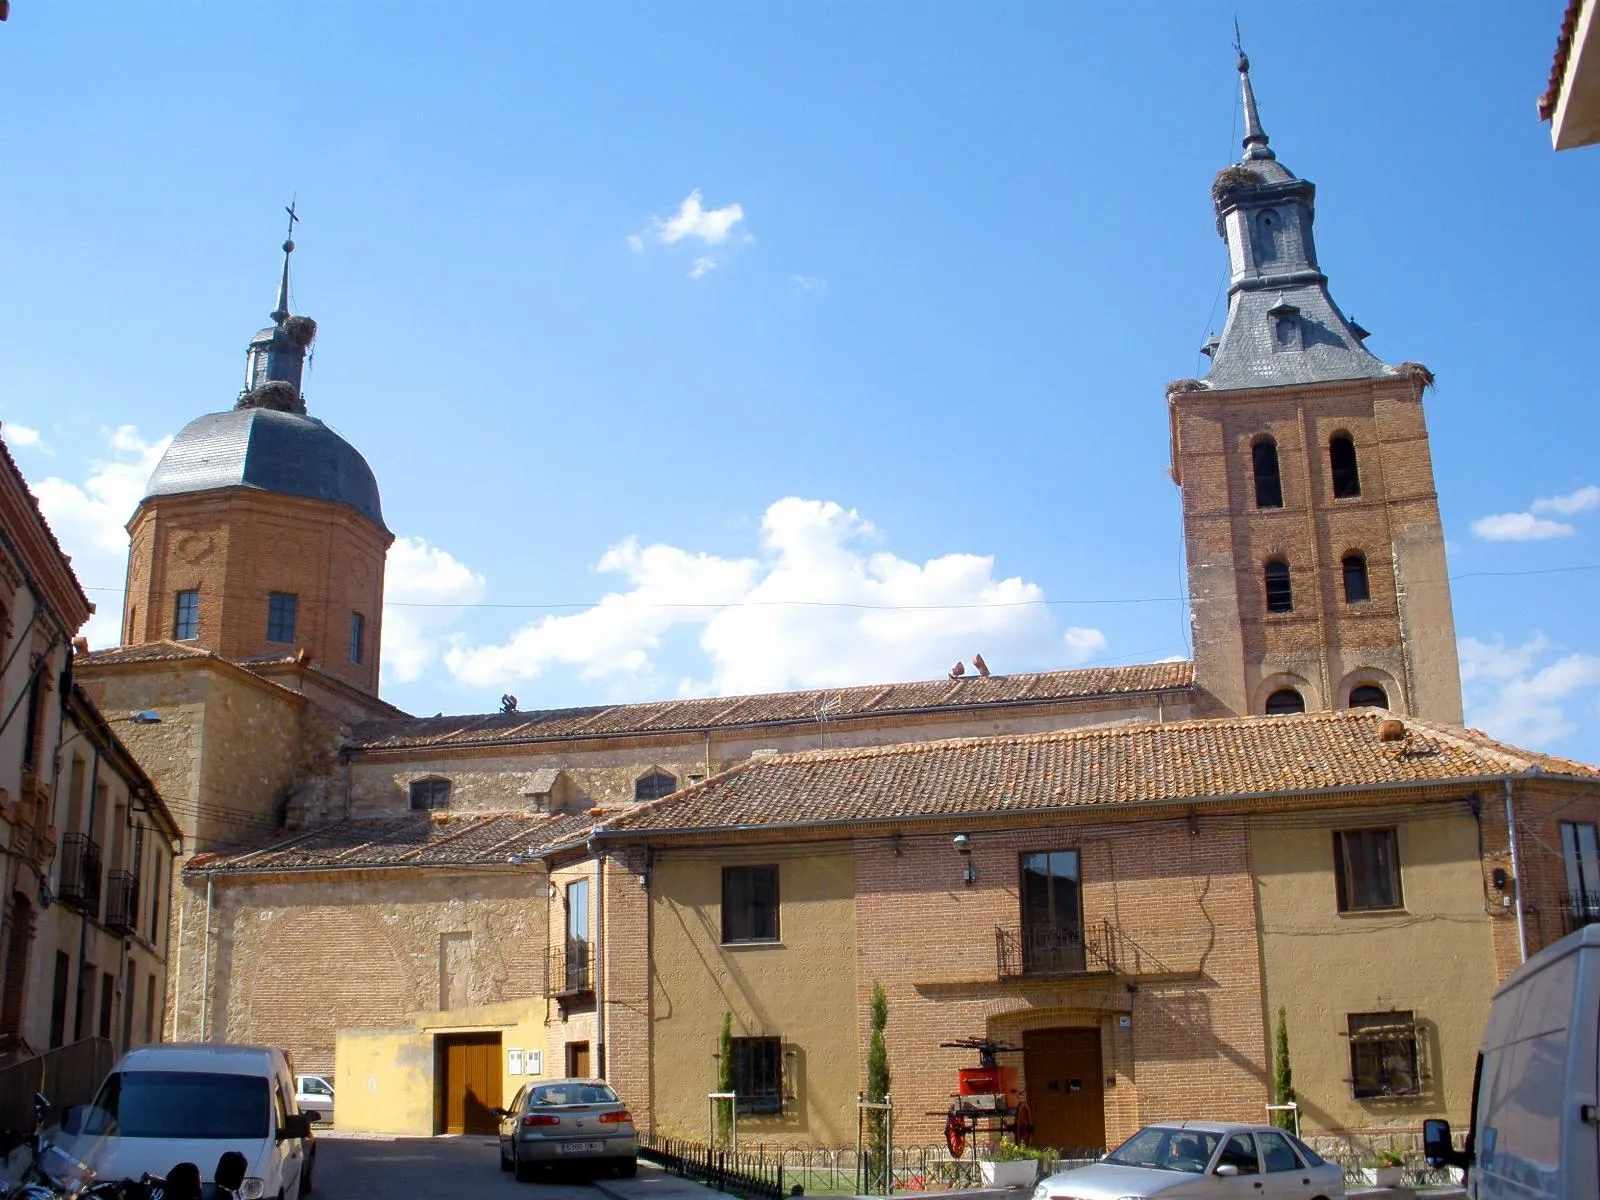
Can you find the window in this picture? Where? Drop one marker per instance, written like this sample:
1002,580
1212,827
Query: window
1355,579
1052,912
1369,695
1342,458
1276,1153
430,793
758,1074
1582,859
1285,701
186,616
1269,485
749,904
33,734
1366,869
358,637
1280,593
1266,238
1383,1055
654,786
108,1000
578,959
280,616
58,1000
1240,1152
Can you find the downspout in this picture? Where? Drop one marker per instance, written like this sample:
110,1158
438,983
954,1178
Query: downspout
600,959
205,966
1516,875
708,753
83,913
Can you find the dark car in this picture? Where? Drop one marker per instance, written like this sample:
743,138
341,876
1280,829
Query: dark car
564,1123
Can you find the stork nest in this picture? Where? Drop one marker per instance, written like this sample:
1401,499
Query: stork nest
1418,373
1179,386
1233,179
302,330
275,395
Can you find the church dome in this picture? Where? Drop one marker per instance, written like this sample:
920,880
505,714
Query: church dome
283,452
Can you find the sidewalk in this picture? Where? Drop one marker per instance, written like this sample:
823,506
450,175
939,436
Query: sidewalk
652,1183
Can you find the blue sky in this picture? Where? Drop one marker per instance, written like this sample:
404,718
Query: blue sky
654,318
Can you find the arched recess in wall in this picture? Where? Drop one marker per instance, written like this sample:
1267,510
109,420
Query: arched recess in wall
654,784
1265,473
300,975
1352,694
1282,681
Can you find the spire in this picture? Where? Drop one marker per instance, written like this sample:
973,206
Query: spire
1255,137
280,314
276,359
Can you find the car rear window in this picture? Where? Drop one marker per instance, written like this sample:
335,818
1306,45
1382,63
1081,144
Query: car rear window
181,1104
557,1095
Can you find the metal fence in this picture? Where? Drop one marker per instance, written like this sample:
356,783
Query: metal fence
1351,1151
69,1075
750,1174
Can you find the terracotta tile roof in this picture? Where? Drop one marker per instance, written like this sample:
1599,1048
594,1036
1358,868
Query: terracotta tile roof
773,708
410,839
1106,765
162,651
64,578
1558,66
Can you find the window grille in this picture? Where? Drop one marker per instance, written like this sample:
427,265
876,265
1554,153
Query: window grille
280,616
430,793
1280,592
186,616
1384,1058
758,1074
654,786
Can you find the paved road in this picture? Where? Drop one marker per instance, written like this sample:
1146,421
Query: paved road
447,1168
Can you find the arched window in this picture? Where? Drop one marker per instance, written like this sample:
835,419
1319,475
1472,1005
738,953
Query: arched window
430,793
1369,695
1269,486
654,786
1280,596
1285,700
1355,579
1342,458
1268,232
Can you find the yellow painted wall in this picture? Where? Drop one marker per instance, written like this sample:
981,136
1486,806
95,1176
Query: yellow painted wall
802,990
1434,958
384,1080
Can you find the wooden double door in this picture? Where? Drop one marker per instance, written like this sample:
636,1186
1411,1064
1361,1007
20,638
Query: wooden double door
469,1082
1066,1087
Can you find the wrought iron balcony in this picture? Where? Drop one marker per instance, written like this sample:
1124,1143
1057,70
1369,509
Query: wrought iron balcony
572,969
1580,909
122,901
1045,951
80,872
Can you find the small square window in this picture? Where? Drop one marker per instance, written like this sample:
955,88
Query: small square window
280,616
430,793
750,904
358,637
1383,1055
1366,869
758,1074
186,616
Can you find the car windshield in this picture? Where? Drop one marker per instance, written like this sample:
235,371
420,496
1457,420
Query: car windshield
556,1095
1165,1149
181,1104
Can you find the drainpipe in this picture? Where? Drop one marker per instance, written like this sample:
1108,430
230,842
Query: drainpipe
1516,875
600,963
205,966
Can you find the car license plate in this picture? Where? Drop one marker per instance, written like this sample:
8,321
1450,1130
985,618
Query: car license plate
581,1147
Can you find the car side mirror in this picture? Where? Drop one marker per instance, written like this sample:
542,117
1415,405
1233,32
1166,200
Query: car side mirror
500,1112
1227,1170
1437,1148
296,1125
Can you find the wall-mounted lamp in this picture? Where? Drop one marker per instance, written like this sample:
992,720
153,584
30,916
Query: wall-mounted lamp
1194,823
1499,878
963,845
894,841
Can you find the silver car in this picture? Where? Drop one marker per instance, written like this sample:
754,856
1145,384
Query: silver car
1205,1160
564,1123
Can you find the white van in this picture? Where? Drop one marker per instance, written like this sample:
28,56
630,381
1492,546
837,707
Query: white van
190,1102
1536,1098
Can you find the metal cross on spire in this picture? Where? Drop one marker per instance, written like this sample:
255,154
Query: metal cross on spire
280,314
1255,137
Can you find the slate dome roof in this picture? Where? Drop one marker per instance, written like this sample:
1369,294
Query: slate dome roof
284,452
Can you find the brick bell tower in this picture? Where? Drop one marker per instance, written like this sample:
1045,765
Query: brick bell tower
261,534
1317,575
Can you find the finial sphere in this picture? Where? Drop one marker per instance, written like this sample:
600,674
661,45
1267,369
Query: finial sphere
288,247
1244,64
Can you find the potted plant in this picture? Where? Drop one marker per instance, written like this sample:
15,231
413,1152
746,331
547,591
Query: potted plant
1383,1169
1007,1164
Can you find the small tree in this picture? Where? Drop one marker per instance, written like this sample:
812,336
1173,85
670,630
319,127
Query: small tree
725,1079
878,1081
1282,1073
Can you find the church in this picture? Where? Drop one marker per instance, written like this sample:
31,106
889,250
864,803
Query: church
1131,875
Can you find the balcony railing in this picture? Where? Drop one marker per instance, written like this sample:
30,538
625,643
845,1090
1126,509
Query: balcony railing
122,901
1580,909
1044,951
572,969
80,872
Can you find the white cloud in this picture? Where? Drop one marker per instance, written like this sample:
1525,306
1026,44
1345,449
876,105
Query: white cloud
26,436
1519,527
702,266
89,519
1581,500
1511,696
808,283
822,605
692,220
424,589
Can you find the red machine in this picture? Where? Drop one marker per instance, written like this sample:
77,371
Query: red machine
987,1098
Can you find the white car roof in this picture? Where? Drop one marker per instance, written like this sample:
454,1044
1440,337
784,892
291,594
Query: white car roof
1215,1127
210,1057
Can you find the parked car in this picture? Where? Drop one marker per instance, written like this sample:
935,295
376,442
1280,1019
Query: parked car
1202,1159
314,1095
189,1102
567,1122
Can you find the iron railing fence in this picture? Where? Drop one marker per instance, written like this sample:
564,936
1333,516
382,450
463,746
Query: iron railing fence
122,901
1579,909
572,968
80,872
754,1176
1352,1151
1046,950
67,1075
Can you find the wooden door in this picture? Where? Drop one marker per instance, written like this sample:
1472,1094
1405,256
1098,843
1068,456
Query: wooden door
1066,1088
471,1087
578,1060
